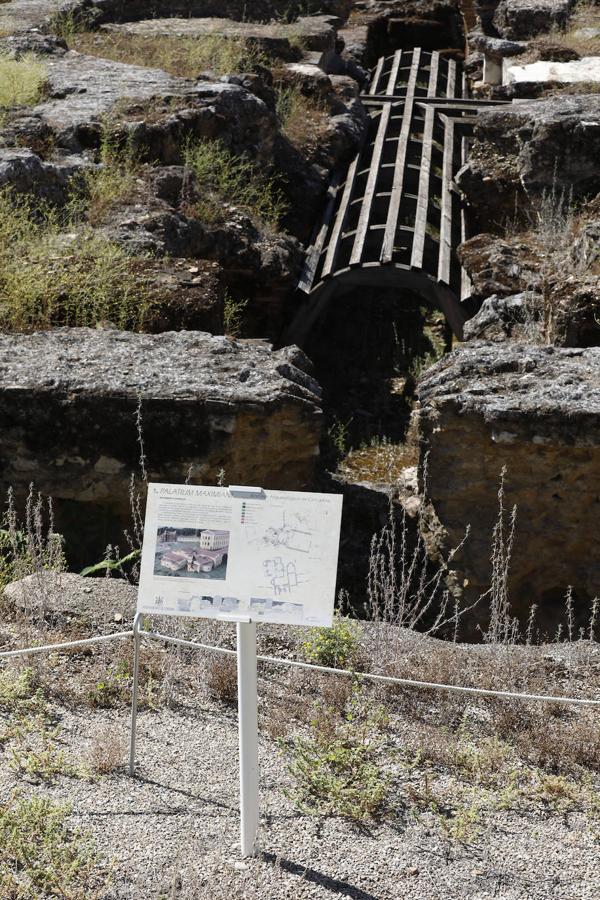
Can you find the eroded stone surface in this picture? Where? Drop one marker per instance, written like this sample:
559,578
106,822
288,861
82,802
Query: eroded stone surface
545,145
307,33
579,71
67,414
517,19
535,410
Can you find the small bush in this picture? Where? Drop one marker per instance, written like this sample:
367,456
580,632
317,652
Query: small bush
221,680
224,178
233,315
113,689
49,278
303,120
107,753
114,182
41,856
21,81
335,768
336,647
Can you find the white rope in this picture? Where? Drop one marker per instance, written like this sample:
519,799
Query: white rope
389,679
276,661
48,648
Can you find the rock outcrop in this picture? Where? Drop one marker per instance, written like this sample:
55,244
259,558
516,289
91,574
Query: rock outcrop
535,411
68,402
278,39
522,19
550,145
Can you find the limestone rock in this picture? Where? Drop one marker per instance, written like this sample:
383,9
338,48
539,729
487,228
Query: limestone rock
276,39
67,416
84,90
535,410
578,71
522,19
24,172
19,15
546,145
498,48
499,266
501,317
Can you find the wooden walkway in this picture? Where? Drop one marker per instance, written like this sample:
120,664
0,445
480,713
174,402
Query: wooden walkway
394,219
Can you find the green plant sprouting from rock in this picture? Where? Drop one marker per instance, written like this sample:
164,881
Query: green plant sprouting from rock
224,178
50,276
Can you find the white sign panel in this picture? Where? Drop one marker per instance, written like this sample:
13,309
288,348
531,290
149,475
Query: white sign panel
226,552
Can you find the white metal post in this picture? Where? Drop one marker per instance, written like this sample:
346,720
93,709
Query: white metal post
134,693
248,726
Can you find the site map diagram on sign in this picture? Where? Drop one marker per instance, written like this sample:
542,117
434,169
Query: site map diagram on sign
212,552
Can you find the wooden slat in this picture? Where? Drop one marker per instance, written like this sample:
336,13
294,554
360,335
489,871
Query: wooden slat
365,212
315,251
387,251
445,259
340,219
376,76
451,86
391,88
423,201
433,74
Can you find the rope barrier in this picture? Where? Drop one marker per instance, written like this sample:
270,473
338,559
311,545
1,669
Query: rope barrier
389,679
293,663
48,648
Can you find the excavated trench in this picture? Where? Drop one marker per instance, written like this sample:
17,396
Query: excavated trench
373,335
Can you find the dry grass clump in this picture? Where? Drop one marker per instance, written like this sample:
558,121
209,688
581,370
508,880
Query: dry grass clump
380,461
586,15
303,120
22,81
107,752
180,56
49,277
115,181
223,178
221,679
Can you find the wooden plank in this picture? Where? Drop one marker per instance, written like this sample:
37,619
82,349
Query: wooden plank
340,219
451,86
314,252
445,259
423,201
433,74
365,212
377,75
391,87
387,251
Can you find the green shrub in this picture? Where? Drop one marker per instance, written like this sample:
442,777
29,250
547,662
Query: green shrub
337,647
114,182
49,278
41,856
21,81
224,178
335,768
113,689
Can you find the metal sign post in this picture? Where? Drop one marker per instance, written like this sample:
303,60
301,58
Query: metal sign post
248,729
134,693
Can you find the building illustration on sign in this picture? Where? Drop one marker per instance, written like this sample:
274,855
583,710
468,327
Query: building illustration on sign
191,552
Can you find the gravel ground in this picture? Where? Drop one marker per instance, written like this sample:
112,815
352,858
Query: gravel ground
173,830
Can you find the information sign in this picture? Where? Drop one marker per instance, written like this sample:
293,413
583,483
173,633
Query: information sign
227,553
